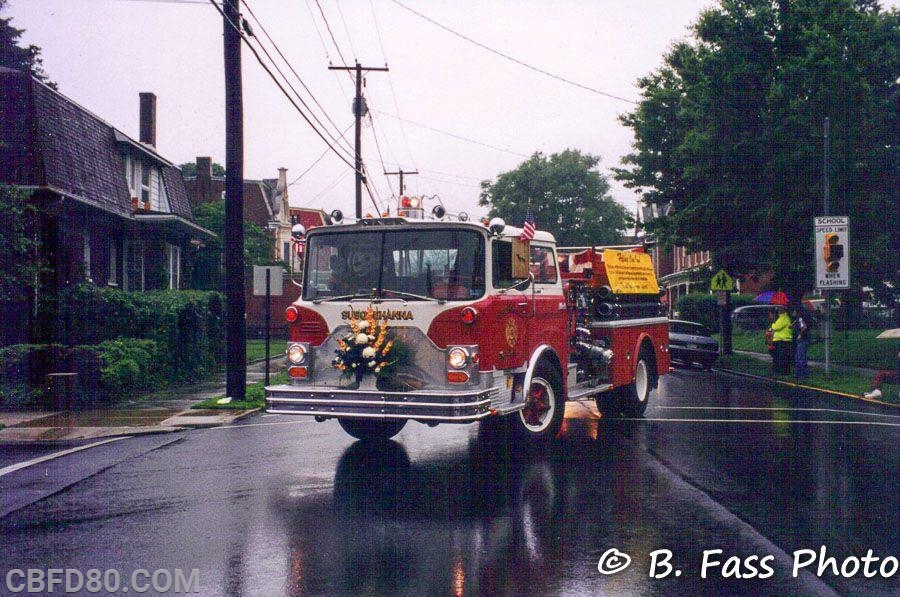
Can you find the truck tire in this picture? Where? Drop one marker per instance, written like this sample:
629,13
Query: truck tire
636,395
372,429
544,405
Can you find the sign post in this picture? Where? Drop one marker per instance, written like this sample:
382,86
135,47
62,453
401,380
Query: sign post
832,260
267,281
723,285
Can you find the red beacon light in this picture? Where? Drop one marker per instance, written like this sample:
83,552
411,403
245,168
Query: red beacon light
291,314
469,315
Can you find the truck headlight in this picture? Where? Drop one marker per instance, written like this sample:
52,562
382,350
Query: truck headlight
296,354
458,358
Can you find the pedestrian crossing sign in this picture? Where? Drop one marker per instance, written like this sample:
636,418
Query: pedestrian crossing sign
722,282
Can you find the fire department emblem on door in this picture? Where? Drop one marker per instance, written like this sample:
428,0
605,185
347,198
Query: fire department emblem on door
511,332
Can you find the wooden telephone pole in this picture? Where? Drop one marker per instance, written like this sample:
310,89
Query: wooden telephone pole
359,110
235,327
401,173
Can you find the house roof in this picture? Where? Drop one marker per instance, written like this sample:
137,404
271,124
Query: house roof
49,141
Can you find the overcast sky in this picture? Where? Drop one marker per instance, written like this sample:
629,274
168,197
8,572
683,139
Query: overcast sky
456,112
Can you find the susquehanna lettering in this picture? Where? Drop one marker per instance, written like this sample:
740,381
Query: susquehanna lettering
389,315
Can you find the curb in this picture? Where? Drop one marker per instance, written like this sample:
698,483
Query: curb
806,387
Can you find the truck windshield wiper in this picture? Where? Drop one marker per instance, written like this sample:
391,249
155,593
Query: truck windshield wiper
341,297
402,294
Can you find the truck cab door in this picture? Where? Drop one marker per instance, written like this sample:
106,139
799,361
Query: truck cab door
514,296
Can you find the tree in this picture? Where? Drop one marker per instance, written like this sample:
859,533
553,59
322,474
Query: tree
207,269
18,247
12,55
190,169
729,134
568,197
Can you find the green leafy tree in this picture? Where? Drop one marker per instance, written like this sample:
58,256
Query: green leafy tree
18,248
568,197
208,266
729,135
13,55
190,169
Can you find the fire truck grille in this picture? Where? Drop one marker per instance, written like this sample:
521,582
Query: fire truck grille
447,407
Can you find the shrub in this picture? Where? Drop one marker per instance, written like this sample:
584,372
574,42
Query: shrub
186,326
129,365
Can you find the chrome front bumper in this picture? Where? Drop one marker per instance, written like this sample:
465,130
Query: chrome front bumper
445,406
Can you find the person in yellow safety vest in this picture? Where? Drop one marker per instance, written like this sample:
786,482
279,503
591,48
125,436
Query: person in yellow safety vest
782,336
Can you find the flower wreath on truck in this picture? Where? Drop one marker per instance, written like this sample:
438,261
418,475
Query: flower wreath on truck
369,347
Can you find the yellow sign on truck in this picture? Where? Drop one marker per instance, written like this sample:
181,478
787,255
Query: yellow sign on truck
629,272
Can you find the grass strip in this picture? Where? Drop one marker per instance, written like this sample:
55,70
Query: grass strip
255,396
844,381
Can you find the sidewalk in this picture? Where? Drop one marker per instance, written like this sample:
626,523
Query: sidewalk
164,412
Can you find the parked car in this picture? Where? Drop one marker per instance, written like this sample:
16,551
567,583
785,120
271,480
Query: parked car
690,342
755,317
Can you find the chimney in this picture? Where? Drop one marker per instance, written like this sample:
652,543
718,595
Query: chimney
204,179
281,192
148,118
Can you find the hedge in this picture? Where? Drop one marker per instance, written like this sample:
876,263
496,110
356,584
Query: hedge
107,372
186,326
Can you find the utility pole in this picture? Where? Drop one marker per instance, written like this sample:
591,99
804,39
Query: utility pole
359,110
401,173
826,200
235,327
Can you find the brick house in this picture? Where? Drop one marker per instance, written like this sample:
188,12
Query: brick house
266,204
111,209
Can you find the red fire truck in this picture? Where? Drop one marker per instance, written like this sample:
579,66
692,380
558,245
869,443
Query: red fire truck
455,322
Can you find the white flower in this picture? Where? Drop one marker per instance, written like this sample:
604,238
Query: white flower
362,339
363,325
368,352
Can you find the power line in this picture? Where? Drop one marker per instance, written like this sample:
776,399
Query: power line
319,159
391,82
331,33
293,70
346,30
280,86
510,58
461,138
378,149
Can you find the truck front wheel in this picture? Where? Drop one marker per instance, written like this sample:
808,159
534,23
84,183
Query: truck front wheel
372,429
544,405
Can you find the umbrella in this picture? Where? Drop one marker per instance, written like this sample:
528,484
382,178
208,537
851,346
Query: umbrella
772,298
892,333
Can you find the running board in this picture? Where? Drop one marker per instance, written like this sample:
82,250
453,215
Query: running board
579,392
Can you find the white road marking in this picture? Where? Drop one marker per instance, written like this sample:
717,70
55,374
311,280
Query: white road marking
19,466
766,421
783,409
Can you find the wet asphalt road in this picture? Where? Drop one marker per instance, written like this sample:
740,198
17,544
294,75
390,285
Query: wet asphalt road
288,506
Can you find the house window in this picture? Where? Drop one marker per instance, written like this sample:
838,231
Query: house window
174,262
162,198
113,263
86,252
133,278
145,185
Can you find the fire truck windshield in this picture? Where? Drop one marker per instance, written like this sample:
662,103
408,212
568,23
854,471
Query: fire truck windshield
410,264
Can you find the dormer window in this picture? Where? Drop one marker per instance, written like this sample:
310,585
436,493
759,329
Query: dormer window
145,185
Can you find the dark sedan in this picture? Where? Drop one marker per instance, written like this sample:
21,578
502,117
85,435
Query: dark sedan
690,342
